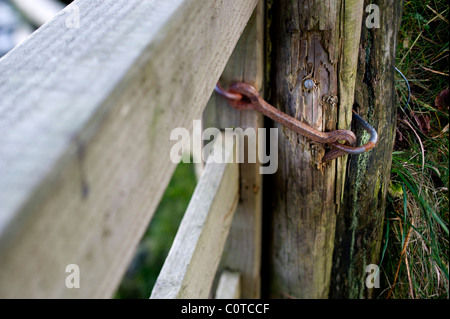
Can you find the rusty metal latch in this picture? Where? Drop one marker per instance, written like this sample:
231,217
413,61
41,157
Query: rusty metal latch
243,96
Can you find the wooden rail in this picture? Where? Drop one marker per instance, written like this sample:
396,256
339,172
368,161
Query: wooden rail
85,118
243,250
191,266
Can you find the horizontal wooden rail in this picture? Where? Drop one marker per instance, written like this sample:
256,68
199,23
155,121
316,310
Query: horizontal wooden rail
190,268
86,112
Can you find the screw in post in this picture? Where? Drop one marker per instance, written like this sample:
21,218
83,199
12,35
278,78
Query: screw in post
308,84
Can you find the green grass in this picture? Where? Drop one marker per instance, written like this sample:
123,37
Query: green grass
416,254
155,245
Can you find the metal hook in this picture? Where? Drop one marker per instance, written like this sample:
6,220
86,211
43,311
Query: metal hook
235,96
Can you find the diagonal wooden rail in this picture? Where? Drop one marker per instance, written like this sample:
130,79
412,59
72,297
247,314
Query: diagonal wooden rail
243,253
85,117
190,268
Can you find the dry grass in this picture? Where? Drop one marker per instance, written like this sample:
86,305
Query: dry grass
416,254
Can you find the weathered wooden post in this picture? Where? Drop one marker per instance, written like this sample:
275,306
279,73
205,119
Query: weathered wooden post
360,223
319,41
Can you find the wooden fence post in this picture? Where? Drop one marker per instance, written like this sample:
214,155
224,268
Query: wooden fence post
319,41
306,46
360,224
243,250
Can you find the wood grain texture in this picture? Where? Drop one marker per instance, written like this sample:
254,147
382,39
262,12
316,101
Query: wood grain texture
191,265
303,191
310,40
359,230
85,120
243,250
348,67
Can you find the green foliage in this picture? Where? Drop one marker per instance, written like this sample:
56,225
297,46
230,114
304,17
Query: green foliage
416,249
155,245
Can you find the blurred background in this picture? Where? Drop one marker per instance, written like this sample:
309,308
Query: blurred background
19,18
415,254
416,246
